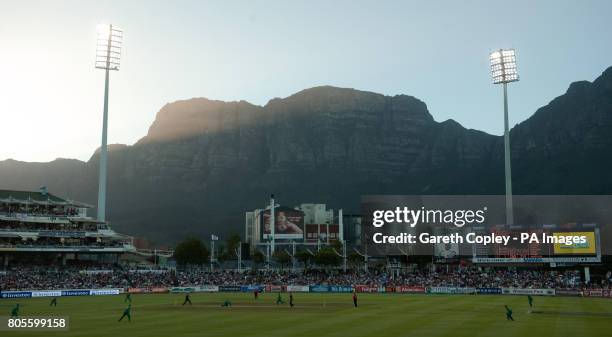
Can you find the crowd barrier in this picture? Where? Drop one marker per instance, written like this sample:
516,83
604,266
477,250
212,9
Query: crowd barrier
568,292
597,293
148,290
528,291
604,293
450,290
252,288
59,293
198,289
270,288
298,289
410,289
368,289
340,289
229,288
319,289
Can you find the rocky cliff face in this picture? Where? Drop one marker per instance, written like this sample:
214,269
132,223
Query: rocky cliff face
566,146
204,163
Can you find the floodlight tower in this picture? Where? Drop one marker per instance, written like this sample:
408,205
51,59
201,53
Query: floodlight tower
108,55
503,70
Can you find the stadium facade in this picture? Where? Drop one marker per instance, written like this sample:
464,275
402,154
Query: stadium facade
41,228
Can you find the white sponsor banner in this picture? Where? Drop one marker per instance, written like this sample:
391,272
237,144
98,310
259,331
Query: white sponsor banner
208,288
451,290
148,271
297,289
95,292
93,272
586,259
46,293
528,291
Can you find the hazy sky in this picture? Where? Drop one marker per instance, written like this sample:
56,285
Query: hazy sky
51,95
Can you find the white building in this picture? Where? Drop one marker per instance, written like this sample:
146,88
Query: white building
317,214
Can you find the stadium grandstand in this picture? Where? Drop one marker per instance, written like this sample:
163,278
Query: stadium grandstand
39,228
50,243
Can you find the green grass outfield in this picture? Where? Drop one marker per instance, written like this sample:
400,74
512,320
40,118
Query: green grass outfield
323,315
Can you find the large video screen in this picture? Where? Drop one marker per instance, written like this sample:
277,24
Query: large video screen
576,248
289,224
544,243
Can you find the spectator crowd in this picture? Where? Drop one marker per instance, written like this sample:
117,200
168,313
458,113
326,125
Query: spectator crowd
32,278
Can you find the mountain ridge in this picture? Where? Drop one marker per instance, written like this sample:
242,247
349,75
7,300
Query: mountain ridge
204,162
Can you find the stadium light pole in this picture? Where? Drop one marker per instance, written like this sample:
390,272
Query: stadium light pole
293,255
268,256
366,256
272,223
213,238
344,255
108,56
503,70
239,254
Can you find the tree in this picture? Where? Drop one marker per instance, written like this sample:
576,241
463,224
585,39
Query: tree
232,243
304,257
327,257
191,251
222,254
258,258
337,245
355,260
282,258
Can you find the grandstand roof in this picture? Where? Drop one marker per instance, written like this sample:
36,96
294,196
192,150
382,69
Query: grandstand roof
36,197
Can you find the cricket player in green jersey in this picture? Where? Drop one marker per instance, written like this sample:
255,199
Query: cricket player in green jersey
530,299
53,302
15,311
226,303
127,313
508,313
128,298
279,299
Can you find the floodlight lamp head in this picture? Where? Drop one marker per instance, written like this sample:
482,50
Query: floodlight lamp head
503,66
108,48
